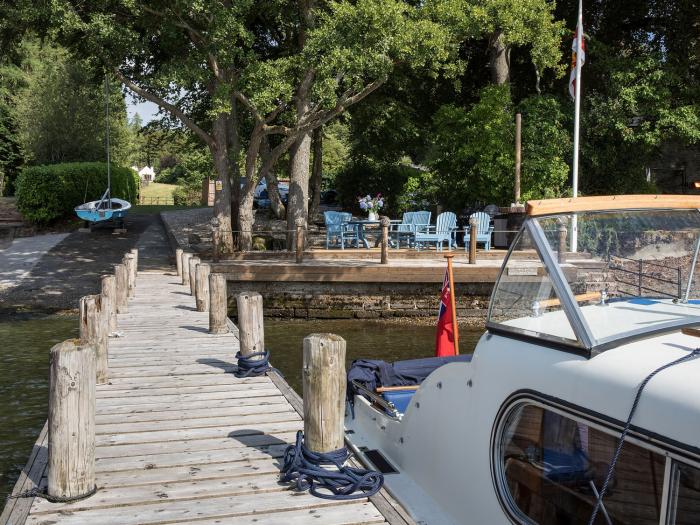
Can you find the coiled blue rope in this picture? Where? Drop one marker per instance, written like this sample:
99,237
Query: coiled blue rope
626,429
249,366
305,469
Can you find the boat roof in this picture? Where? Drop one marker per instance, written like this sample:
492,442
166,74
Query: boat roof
536,208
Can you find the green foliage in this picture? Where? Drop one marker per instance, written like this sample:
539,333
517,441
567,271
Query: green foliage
47,193
367,177
188,195
60,111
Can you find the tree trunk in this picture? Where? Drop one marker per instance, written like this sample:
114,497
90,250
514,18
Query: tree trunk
272,183
299,155
316,172
499,62
234,148
245,212
222,199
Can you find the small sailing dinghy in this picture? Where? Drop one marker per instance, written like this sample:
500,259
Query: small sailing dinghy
106,208
581,402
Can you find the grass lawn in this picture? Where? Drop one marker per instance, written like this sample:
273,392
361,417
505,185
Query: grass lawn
157,190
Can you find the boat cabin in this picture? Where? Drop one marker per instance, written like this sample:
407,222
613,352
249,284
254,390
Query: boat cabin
595,298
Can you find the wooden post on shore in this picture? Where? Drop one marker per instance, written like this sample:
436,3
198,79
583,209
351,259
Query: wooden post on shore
473,225
385,222
130,263
300,239
93,331
324,392
135,253
121,286
109,302
518,156
202,287
215,239
563,237
194,261
217,304
71,443
178,261
186,256
251,331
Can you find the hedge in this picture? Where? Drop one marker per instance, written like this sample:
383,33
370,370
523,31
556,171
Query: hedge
47,193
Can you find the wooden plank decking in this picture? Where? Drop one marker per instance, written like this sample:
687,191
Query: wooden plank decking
180,439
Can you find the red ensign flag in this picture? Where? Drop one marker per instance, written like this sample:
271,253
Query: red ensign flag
445,336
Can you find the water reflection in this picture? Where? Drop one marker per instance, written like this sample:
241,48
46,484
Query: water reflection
24,361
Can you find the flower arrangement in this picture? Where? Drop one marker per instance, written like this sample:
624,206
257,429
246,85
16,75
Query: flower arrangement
371,204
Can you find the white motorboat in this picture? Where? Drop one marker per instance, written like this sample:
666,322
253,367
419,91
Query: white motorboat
526,431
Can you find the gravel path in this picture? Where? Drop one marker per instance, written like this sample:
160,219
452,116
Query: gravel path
54,277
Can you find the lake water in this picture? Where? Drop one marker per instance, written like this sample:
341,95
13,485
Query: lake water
24,360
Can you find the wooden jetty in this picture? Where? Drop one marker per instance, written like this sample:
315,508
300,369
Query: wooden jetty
180,439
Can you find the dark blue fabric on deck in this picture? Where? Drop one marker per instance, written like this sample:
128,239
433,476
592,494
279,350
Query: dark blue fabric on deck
642,300
372,373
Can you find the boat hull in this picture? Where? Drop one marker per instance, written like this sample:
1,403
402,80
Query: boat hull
92,212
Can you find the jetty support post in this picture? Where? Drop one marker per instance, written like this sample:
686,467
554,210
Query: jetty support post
186,256
121,285
324,392
93,332
561,249
109,302
473,225
300,239
194,261
385,222
71,443
217,304
251,332
202,287
130,263
178,261
135,253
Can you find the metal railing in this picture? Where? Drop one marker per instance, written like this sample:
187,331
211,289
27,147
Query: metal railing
638,275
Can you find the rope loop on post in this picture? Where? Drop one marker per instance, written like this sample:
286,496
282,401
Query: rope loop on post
306,469
249,366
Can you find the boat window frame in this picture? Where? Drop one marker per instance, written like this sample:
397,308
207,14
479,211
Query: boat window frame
595,420
588,345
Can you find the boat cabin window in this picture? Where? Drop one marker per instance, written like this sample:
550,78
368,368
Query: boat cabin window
625,274
552,467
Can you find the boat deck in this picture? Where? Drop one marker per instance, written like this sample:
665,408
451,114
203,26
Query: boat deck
182,440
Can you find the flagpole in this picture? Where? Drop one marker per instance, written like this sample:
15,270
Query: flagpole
577,118
455,328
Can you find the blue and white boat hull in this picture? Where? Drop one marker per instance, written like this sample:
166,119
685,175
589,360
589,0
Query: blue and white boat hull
98,211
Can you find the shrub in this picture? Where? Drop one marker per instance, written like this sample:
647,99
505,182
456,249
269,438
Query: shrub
47,193
188,195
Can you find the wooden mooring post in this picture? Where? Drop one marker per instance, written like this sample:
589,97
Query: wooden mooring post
93,332
250,324
473,225
385,222
178,261
122,285
135,253
300,239
109,302
563,237
324,392
130,264
202,287
186,256
71,441
217,304
194,261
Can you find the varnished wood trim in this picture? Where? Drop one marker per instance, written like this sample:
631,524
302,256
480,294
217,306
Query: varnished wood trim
612,202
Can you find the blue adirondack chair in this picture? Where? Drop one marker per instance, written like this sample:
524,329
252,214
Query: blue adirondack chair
483,230
442,232
338,229
412,222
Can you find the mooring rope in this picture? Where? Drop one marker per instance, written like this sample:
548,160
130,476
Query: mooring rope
36,493
305,469
250,366
628,424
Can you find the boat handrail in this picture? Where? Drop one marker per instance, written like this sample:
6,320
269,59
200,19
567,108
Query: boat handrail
538,208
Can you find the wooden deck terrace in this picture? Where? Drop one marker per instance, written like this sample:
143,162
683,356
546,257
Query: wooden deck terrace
179,439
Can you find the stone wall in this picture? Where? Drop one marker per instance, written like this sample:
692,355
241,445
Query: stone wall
362,300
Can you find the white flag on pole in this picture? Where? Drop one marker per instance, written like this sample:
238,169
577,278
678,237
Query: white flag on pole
575,49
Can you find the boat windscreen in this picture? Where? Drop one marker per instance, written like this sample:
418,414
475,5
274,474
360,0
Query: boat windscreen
625,273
